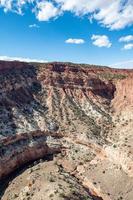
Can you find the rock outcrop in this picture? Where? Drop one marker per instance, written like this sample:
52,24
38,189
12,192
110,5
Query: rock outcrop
83,112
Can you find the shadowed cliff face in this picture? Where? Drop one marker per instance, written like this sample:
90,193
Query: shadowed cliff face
18,87
41,105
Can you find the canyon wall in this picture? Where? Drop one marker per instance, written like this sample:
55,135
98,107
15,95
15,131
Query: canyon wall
40,104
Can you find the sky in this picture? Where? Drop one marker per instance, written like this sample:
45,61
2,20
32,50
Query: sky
80,31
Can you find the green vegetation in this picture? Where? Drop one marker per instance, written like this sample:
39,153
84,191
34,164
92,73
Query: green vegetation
109,76
114,145
86,198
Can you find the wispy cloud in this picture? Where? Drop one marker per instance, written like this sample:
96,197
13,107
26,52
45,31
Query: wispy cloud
126,38
124,65
7,58
34,26
101,41
74,41
128,46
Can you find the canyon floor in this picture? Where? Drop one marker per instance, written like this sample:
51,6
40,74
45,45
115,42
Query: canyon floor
66,132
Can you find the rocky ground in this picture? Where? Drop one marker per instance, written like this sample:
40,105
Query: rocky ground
73,123
45,180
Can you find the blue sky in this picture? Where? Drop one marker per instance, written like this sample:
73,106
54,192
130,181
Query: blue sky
28,31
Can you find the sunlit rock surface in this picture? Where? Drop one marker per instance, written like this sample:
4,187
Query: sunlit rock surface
80,114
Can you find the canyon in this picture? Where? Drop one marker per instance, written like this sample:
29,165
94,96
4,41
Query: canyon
81,115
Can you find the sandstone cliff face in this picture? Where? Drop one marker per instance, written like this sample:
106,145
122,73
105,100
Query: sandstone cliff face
41,105
124,94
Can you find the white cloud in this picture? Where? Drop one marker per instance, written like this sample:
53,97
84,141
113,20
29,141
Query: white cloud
46,11
101,41
6,4
81,7
14,5
74,41
127,38
128,46
7,58
33,26
125,64
113,14
117,15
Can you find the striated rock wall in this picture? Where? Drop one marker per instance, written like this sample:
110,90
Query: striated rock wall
42,102
17,150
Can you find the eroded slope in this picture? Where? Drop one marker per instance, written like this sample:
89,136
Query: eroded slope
83,112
